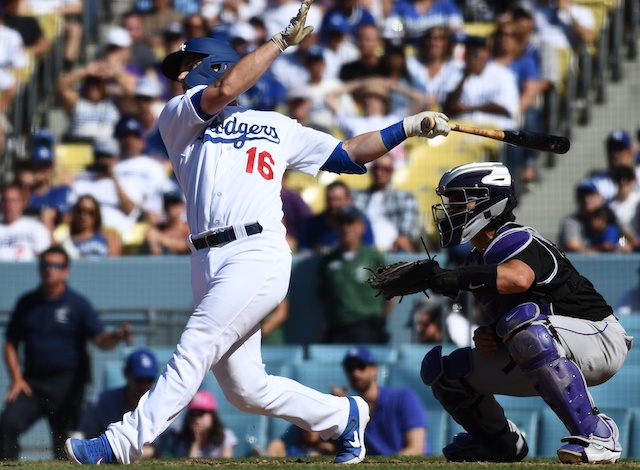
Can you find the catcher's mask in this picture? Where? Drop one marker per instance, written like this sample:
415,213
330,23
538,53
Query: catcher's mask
216,57
472,195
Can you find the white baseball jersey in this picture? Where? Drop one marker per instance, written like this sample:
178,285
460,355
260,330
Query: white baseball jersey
230,168
23,240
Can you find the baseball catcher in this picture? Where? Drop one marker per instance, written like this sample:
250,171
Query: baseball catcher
551,333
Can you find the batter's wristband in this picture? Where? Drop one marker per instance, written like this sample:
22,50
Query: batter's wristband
393,135
479,278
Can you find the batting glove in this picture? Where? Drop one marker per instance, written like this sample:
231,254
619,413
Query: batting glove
295,31
412,125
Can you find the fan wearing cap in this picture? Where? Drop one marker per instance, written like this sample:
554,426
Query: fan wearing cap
620,149
352,315
398,423
483,93
203,433
573,235
140,372
49,201
121,73
156,19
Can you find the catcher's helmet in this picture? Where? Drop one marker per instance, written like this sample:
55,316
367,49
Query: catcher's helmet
472,196
216,58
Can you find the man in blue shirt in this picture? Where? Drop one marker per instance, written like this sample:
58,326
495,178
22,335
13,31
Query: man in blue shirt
398,421
53,324
108,406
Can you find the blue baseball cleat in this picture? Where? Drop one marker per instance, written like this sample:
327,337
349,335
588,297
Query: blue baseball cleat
351,448
90,451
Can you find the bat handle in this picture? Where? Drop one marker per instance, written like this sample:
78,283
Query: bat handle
427,124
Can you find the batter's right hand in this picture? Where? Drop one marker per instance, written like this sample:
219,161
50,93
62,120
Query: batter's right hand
486,340
296,30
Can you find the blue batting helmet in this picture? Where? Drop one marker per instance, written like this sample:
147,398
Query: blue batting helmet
216,58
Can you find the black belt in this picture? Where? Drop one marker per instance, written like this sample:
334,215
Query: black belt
223,237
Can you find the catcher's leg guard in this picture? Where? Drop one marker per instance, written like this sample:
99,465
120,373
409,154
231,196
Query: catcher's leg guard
528,336
491,437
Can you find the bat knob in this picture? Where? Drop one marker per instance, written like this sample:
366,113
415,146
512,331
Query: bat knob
427,124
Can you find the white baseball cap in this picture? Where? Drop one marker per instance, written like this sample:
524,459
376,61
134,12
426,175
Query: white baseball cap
118,37
242,31
148,87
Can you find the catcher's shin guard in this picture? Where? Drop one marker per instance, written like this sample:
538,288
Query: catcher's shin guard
491,437
558,380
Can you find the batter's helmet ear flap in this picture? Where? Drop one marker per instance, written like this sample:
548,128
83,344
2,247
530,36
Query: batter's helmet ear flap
216,58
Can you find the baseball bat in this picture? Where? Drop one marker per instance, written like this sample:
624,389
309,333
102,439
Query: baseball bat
530,140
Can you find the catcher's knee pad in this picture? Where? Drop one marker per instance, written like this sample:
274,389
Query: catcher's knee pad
445,375
558,380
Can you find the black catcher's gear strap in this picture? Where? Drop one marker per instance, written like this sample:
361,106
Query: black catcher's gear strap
478,278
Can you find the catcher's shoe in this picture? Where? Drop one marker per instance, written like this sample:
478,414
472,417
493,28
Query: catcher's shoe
89,451
351,443
593,449
511,447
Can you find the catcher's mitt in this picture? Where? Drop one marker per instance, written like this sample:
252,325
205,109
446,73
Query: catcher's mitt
404,278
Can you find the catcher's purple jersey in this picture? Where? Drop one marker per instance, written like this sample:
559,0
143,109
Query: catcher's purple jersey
559,289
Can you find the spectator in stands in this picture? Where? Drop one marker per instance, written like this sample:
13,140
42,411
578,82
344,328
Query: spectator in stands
405,94
417,16
137,169
433,65
122,73
172,37
573,235
91,111
48,201
295,209
108,406
604,233
575,22
53,323
398,424
33,38
347,16
155,20
369,43
276,16
23,176
630,301
84,236
353,315
142,55
148,104
338,45
71,13
319,233
508,50
393,213
203,433
485,93
13,62
196,25
22,238
315,92
626,204
430,314
170,236
297,442
620,150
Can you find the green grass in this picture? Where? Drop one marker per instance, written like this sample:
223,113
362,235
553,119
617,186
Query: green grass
324,463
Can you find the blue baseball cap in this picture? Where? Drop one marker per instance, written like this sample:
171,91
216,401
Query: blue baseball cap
128,125
360,354
142,364
619,140
42,155
44,137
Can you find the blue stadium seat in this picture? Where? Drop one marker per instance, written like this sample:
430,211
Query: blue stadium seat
415,352
407,374
631,323
320,375
336,352
250,429
634,441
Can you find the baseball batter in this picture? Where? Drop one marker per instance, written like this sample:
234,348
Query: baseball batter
552,333
229,162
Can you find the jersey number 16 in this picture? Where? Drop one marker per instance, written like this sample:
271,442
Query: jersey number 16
264,163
